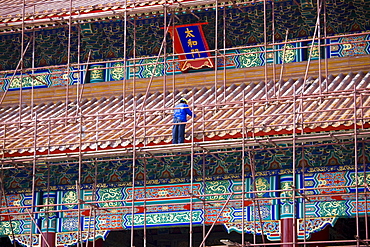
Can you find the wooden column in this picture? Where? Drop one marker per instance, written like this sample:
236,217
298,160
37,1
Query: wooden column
49,237
286,231
287,219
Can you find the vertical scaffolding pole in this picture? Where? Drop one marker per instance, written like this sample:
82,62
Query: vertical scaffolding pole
265,46
68,57
304,197
78,64
33,199
204,198
366,189
134,102
356,163
191,177
165,7
326,47
273,46
216,47
173,62
22,64
294,230
33,62
224,53
48,237
319,42
78,183
145,210
93,210
251,165
95,188
133,176
243,170
124,81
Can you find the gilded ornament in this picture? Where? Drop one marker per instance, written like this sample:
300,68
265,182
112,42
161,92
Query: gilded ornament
315,52
360,178
289,55
217,187
110,194
118,72
96,74
70,198
250,59
7,229
262,185
333,208
150,65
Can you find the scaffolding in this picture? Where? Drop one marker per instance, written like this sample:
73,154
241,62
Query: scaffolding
242,113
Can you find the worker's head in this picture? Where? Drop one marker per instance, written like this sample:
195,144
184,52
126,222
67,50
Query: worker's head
182,100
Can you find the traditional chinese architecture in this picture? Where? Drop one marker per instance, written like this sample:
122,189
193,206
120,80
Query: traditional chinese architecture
278,153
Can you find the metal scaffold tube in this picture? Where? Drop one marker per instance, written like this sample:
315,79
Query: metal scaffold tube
243,171
216,51
22,62
293,187
357,237
265,47
33,200
366,190
203,196
224,53
191,191
132,230
68,57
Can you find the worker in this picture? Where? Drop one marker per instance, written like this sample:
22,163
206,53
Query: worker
179,116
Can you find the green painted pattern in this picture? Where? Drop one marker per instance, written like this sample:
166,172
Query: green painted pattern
169,218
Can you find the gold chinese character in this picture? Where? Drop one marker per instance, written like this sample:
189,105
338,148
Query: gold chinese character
189,33
195,50
191,43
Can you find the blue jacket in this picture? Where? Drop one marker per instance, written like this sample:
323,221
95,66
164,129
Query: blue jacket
179,115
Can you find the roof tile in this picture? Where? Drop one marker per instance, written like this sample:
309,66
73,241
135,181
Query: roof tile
105,125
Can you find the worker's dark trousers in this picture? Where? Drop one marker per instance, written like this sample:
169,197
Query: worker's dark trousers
178,132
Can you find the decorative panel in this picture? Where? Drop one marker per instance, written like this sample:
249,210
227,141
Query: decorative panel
164,219
270,228
289,53
42,78
174,193
350,46
70,238
151,67
249,57
117,72
24,240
